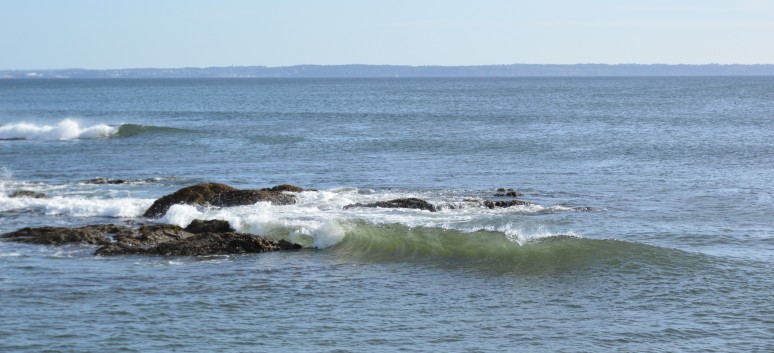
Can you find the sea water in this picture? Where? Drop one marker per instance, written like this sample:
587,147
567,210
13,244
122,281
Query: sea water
648,225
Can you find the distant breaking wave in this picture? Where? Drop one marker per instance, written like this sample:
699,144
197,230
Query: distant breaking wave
69,129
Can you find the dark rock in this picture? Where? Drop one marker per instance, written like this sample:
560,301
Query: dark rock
220,244
103,181
203,238
285,187
508,194
28,193
93,234
220,195
413,203
199,226
502,204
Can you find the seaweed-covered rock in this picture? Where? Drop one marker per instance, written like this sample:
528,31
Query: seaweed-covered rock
93,234
28,193
217,195
412,203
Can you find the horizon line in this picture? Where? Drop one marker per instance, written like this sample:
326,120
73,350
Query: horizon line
381,65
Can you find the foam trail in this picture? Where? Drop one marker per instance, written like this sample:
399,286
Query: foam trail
67,129
78,206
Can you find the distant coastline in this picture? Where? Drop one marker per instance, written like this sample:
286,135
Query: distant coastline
311,71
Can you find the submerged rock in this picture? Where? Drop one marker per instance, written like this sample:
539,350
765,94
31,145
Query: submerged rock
28,193
220,195
412,203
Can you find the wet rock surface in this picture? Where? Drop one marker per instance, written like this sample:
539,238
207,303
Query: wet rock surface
105,181
221,195
97,234
503,204
199,238
27,193
411,203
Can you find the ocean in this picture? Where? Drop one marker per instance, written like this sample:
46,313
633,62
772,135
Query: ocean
647,223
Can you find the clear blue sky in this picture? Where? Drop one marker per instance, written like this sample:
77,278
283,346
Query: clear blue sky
101,34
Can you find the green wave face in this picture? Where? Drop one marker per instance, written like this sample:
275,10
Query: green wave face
494,252
129,130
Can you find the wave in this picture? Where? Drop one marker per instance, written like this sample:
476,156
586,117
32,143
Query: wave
129,130
69,129
495,250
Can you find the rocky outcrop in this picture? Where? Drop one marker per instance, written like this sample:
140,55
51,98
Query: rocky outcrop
27,193
104,181
93,234
411,203
199,238
502,204
204,244
507,192
221,195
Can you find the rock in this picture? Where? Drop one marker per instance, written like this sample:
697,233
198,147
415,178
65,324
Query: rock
221,244
412,203
93,234
286,187
103,181
508,194
215,194
199,238
199,226
28,193
502,204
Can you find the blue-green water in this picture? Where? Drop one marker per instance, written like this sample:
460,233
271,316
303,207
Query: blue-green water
649,228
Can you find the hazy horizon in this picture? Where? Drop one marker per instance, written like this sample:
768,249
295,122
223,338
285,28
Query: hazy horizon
374,65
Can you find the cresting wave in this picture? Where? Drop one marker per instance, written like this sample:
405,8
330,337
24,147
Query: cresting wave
495,251
70,129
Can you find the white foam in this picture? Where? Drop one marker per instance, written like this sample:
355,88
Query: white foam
78,206
329,234
67,129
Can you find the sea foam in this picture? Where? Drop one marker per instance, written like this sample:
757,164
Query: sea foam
67,129
78,206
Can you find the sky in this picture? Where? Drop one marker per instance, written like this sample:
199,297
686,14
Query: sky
105,34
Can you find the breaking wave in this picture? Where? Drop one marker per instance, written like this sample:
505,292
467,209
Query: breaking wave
69,129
